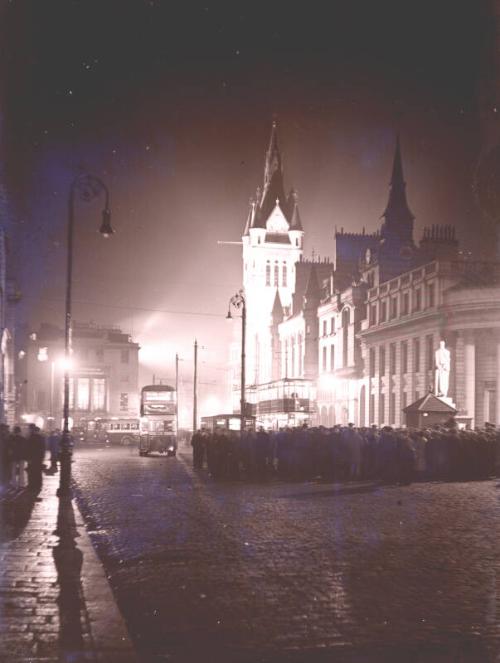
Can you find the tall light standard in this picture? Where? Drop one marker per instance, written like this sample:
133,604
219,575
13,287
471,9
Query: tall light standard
84,187
238,301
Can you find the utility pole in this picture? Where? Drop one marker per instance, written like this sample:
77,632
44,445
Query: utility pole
195,380
177,396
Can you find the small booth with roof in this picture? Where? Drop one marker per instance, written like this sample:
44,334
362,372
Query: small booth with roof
429,410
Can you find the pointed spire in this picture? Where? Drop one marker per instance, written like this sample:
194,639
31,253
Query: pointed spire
273,178
397,178
398,218
295,222
250,217
277,313
312,294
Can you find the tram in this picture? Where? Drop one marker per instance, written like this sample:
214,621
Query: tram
157,432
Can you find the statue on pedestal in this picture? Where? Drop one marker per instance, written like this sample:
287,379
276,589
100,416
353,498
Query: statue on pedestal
443,361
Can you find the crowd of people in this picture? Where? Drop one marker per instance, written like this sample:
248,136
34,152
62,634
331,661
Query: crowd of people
22,457
346,453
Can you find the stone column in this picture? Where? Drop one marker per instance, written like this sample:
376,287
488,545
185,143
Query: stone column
470,377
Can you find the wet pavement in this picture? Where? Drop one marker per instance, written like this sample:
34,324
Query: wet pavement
314,572
55,601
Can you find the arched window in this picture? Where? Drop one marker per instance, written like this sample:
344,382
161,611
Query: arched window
268,273
284,276
276,274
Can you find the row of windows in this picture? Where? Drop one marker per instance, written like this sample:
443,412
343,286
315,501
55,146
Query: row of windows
388,309
84,394
276,274
86,354
392,358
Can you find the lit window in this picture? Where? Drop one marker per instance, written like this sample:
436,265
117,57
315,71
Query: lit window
268,273
276,274
43,354
99,394
83,394
284,277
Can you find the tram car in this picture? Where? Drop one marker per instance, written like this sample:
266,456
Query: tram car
157,431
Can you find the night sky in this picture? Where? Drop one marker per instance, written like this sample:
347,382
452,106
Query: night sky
171,104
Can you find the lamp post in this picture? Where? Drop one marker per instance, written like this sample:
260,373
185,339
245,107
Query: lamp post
84,187
238,301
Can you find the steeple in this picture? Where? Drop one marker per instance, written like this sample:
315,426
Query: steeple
273,181
277,312
250,217
312,294
398,218
295,222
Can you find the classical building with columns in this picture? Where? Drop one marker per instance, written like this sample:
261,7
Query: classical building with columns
380,333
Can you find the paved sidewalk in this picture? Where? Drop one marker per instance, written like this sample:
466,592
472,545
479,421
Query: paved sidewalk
55,600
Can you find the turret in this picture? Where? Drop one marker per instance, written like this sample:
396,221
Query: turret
296,232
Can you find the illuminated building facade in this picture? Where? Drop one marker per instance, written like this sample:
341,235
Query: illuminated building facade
379,334
355,340
272,245
103,375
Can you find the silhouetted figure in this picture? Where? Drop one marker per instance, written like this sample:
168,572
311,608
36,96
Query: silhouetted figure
54,448
262,452
5,456
35,447
198,444
18,451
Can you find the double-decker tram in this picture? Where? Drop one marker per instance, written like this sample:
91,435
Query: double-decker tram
158,420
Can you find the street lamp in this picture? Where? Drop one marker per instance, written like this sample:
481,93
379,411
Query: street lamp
84,187
238,301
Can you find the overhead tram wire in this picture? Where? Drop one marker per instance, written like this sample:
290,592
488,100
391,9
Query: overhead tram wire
126,307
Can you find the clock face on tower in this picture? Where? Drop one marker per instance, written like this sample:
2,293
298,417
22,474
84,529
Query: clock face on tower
487,184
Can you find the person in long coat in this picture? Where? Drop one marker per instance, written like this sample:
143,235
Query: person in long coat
35,446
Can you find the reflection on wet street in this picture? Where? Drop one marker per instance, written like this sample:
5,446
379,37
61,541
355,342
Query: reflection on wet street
294,572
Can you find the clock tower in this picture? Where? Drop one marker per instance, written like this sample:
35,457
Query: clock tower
272,244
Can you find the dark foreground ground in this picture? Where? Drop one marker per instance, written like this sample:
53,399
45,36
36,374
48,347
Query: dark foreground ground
276,572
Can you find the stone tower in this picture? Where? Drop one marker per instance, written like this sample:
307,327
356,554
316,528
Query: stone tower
272,244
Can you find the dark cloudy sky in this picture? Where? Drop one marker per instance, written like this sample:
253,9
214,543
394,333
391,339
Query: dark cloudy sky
171,103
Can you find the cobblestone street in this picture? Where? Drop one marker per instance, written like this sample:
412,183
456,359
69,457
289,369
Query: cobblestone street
294,572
